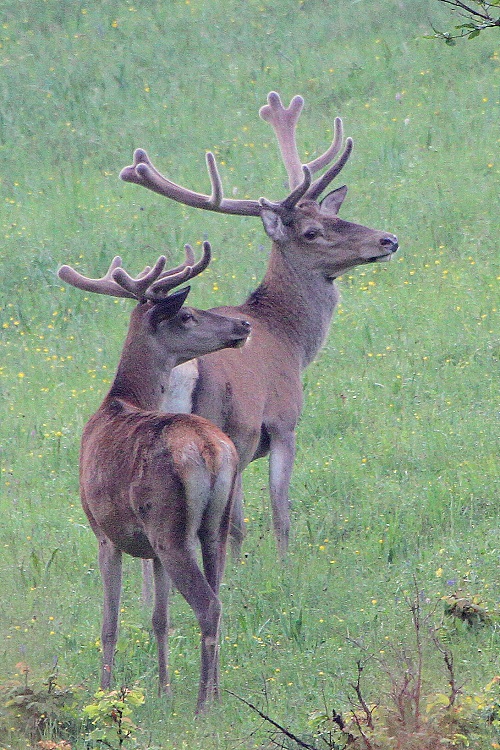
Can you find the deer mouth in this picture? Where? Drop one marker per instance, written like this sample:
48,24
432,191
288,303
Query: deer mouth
390,244
238,343
381,258
244,330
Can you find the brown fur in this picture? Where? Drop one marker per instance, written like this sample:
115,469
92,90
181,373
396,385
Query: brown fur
156,485
256,395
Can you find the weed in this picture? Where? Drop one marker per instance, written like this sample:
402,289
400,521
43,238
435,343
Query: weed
469,610
111,714
37,710
407,717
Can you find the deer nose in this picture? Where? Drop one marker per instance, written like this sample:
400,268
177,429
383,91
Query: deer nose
390,242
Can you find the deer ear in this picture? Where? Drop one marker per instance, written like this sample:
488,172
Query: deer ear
332,202
274,226
167,308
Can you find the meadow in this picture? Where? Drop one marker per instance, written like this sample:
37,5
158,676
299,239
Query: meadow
396,487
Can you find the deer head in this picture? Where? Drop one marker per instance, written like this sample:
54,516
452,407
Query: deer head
162,333
300,220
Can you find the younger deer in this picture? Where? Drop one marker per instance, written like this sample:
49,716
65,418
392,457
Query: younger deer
151,483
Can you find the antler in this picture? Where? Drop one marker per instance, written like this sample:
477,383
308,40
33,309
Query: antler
144,173
151,284
283,121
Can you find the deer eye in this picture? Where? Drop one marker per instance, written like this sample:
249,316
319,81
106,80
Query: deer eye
311,234
186,316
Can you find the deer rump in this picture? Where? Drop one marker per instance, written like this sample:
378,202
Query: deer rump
174,456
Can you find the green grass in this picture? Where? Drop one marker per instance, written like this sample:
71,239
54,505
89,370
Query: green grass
396,474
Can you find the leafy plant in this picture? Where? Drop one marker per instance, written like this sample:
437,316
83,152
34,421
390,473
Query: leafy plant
479,15
406,718
111,715
469,610
37,710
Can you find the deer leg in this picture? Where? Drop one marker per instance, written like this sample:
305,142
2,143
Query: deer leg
147,582
237,528
213,549
160,623
181,566
213,533
110,564
211,566
281,458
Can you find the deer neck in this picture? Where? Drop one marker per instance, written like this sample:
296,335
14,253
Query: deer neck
295,300
141,380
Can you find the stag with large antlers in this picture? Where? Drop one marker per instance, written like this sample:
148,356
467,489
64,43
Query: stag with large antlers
255,395
153,484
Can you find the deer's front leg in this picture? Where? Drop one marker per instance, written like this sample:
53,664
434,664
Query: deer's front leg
147,582
281,458
110,564
237,531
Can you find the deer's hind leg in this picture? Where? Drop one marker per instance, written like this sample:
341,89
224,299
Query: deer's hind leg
215,525
181,566
160,623
237,528
213,536
172,529
110,564
147,582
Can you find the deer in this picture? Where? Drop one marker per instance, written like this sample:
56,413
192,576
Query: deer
255,394
154,484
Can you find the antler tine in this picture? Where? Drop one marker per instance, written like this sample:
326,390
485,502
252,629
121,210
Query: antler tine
160,288
204,260
217,194
190,256
144,271
283,121
143,172
189,261
105,285
164,284
138,287
284,207
332,151
322,182
295,196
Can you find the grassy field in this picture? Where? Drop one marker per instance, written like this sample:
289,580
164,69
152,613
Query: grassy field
396,484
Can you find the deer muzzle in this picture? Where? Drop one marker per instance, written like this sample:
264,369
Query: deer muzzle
242,334
389,245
